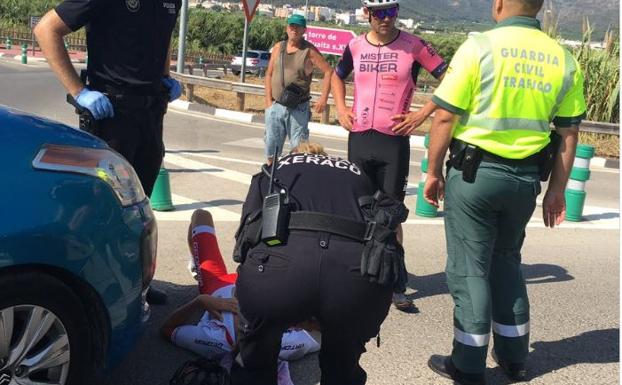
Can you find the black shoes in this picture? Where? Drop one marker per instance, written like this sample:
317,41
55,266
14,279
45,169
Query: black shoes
517,372
405,304
442,365
155,296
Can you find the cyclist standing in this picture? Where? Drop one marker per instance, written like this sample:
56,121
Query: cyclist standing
386,63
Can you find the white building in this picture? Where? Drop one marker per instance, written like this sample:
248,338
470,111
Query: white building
406,23
346,18
310,16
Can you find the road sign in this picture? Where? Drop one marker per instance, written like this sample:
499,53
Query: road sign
34,20
329,40
250,6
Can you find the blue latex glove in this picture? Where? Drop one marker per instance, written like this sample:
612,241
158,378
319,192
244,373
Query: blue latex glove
96,102
174,88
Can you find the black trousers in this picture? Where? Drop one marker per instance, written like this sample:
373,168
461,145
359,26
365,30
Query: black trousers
136,133
314,275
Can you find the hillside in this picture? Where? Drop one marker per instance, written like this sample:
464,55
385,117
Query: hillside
602,13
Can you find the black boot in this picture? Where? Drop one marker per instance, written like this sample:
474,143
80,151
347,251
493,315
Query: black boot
442,365
515,371
155,296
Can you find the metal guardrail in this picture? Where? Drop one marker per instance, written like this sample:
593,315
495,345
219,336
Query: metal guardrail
190,81
19,37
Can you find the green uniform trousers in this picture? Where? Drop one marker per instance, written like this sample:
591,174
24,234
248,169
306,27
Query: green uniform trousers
485,226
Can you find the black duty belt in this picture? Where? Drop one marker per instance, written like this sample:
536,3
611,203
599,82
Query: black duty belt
128,99
458,145
335,224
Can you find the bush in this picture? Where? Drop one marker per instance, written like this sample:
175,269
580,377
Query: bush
601,69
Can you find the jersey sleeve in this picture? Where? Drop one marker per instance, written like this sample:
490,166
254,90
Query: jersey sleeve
345,66
429,59
455,93
572,108
77,13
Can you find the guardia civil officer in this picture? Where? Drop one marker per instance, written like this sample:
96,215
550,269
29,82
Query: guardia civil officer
127,86
337,264
501,91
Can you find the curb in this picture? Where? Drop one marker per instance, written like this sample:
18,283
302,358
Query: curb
36,59
245,117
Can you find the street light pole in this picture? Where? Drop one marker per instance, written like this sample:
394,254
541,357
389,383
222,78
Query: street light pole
243,69
183,26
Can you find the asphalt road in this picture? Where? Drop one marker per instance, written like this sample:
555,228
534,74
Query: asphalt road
572,271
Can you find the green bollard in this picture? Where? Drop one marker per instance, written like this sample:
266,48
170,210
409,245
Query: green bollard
9,43
424,209
575,190
24,56
161,195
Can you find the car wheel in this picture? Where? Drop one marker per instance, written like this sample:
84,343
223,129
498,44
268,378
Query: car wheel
236,73
44,337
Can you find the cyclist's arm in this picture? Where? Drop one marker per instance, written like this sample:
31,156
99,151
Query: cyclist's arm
338,84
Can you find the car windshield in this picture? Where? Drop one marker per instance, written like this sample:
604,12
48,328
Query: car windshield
252,55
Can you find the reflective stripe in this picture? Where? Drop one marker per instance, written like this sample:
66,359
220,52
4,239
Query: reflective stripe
510,330
487,70
503,124
581,163
477,340
569,70
575,185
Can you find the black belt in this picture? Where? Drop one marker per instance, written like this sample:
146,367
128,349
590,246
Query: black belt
335,224
121,98
458,145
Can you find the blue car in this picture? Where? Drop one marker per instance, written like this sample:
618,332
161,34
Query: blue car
77,253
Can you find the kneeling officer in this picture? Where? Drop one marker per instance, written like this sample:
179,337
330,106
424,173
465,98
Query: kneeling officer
335,259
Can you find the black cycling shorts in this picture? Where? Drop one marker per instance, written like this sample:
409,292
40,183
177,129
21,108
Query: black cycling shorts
384,158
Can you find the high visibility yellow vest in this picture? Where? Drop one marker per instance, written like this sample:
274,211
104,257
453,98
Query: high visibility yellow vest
508,84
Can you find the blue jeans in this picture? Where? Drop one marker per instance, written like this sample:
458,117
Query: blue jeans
282,121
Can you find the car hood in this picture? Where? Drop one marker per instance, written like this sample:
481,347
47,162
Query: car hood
20,131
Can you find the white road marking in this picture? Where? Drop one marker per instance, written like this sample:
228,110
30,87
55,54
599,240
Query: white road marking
208,169
223,158
596,218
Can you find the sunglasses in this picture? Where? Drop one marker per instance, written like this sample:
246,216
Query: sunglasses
383,13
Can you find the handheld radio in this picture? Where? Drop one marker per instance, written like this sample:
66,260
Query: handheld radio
275,212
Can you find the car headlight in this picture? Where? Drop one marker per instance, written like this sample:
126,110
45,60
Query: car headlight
104,164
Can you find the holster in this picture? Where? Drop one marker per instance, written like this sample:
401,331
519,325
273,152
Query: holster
465,157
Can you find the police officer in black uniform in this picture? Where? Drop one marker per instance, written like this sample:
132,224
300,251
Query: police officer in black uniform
127,87
315,273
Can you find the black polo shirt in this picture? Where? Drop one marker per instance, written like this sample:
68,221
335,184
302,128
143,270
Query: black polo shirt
127,40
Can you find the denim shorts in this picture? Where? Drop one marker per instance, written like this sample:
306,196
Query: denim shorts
282,121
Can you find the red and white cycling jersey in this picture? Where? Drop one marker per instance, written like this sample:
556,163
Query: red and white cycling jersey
385,77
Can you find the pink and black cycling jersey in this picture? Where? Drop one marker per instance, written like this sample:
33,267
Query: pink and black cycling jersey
385,77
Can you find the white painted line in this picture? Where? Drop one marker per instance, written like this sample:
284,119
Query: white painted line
209,169
189,205
248,143
216,157
213,118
